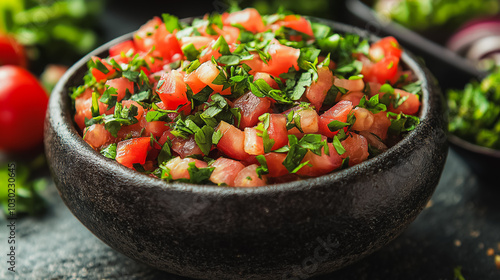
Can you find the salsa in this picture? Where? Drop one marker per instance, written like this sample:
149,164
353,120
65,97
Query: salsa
243,99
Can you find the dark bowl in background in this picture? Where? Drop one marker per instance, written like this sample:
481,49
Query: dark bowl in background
452,71
283,231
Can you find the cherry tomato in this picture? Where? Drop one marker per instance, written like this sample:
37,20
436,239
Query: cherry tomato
23,103
11,52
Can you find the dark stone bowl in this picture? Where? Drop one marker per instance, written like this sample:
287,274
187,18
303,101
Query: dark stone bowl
285,231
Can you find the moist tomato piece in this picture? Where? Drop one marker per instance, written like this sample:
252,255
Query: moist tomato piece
173,90
381,124
320,165
179,167
252,107
338,112
155,128
253,142
122,48
140,109
129,152
356,148
248,177
354,97
185,147
316,93
297,23
275,164
410,106
308,120
364,119
122,85
225,171
282,59
232,141
97,136
267,78
207,72
249,18
98,74
194,83
383,71
350,85
154,37
197,41
133,130
385,47
277,130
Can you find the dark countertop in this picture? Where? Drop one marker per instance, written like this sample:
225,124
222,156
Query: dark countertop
460,224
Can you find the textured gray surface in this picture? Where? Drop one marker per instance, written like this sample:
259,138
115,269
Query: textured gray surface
461,223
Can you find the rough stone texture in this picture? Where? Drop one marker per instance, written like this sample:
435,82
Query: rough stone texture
457,228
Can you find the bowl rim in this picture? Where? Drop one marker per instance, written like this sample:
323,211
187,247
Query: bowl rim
63,113
474,148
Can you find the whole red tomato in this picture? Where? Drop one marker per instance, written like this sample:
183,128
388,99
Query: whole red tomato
23,103
11,52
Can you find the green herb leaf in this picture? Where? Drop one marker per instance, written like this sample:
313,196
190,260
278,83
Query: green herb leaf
109,151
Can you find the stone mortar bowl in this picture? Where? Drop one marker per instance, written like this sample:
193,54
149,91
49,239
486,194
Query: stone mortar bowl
286,231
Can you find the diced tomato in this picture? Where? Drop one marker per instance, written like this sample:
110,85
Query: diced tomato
410,106
350,85
133,130
197,41
179,167
121,85
194,83
275,164
267,78
164,137
225,171
155,128
173,91
83,106
253,143
282,59
210,51
100,76
356,148
297,23
380,125
320,165
140,109
248,177
129,152
154,34
308,120
316,93
97,136
364,119
232,141
373,88
353,96
154,62
207,72
122,48
249,18
383,71
338,112
385,47
277,130
185,147
252,107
